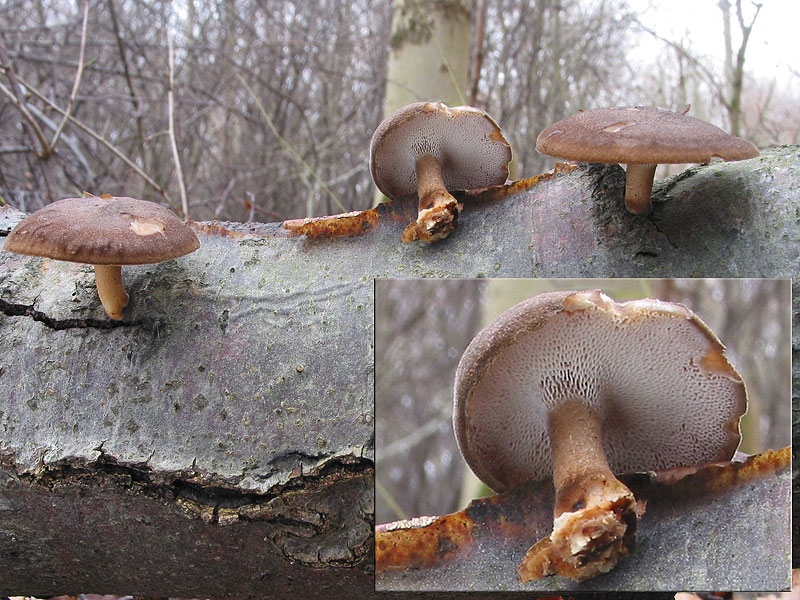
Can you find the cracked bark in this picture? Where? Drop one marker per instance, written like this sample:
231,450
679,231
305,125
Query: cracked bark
218,441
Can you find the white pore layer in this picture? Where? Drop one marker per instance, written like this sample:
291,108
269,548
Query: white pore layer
662,405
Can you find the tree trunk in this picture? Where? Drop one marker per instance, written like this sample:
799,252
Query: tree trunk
218,441
734,61
429,59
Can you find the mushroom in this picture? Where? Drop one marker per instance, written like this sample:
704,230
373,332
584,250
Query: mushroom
641,138
428,148
577,386
106,232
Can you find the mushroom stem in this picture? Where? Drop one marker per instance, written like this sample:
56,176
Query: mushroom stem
438,209
638,188
576,439
595,514
110,289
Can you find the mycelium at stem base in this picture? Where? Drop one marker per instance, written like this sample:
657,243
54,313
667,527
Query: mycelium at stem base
110,289
438,209
638,188
595,514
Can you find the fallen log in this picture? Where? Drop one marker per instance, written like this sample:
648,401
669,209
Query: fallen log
218,440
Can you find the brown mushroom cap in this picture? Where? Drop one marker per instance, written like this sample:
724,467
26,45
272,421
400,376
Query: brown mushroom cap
103,230
655,373
640,135
466,141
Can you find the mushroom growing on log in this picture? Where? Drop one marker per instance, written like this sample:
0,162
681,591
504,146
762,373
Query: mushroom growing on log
431,149
641,138
577,386
106,232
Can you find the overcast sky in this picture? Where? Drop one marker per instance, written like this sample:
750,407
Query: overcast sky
774,46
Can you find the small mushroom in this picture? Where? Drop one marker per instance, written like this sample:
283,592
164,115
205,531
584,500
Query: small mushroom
578,387
107,232
641,138
431,149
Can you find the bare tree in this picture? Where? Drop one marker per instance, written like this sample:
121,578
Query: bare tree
314,71
734,61
722,91
274,101
546,61
753,318
421,329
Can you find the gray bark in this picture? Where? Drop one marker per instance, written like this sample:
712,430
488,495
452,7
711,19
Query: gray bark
725,527
429,58
216,442
219,440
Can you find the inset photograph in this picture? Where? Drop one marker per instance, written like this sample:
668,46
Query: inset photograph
599,434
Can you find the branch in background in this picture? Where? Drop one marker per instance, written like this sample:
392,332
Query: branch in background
67,140
16,149
128,80
77,84
694,61
224,197
407,443
18,101
288,146
97,136
172,141
477,54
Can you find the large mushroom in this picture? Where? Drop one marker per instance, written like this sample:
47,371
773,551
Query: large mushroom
641,138
578,387
431,149
107,232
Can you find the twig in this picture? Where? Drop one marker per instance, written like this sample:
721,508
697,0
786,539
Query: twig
252,201
172,141
15,149
288,146
224,197
97,136
18,101
406,444
387,497
67,140
137,111
78,76
477,57
694,61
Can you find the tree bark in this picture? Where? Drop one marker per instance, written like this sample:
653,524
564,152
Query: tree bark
218,441
429,59
721,526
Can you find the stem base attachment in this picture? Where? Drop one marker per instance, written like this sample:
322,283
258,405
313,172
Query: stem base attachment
587,542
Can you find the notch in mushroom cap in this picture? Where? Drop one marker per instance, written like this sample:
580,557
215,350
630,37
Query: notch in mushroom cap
577,386
431,149
641,138
107,232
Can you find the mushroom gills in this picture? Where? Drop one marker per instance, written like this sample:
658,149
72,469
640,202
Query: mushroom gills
430,149
563,385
